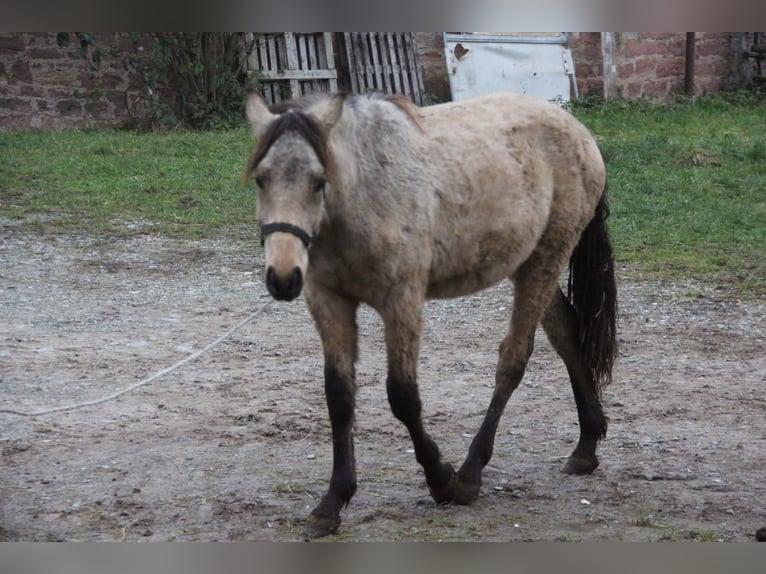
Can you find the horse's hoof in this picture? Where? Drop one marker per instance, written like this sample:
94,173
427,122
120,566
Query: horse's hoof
317,526
466,492
580,464
445,493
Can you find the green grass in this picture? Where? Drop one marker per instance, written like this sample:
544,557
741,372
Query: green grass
687,185
179,183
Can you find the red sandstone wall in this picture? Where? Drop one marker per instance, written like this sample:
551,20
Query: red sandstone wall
651,64
46,86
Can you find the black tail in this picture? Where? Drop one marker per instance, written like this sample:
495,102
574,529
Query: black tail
593,294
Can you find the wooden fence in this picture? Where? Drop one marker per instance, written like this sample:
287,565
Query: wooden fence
291,64
384,62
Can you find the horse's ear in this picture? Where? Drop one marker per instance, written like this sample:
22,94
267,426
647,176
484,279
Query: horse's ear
328,113
258,113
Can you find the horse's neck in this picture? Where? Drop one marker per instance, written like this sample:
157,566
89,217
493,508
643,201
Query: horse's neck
347,155
365,148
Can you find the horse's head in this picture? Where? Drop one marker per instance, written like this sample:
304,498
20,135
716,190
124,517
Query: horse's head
292,165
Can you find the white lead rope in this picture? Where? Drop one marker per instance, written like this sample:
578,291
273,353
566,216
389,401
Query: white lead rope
146,381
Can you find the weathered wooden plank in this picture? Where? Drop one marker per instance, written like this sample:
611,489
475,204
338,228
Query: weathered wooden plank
263,54
412,67
303,61
352,62
291,49
348,41
320,50
385,63
385,66
356,42
254,59
329,59
376,68
394,66
299,74
272,47
369,83
402,54
360,62
311,40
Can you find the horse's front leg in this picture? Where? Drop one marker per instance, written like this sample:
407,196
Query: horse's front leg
335,318
403,328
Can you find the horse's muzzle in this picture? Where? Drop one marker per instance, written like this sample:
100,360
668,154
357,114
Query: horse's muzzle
284,288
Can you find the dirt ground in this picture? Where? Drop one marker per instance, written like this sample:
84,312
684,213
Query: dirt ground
236,445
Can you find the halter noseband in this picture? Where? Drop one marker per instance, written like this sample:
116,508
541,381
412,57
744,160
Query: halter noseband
286,228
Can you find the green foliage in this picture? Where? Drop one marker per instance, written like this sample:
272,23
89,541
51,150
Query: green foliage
190,79
197,79
182,183
687,184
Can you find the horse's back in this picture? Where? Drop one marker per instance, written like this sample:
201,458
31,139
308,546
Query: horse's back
505,122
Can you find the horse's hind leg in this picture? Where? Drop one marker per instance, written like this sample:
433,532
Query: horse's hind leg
534,284
560,325
335,318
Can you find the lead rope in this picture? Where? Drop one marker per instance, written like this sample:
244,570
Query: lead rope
148,380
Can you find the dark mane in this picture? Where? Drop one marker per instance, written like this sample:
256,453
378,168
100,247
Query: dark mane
407,106
293,120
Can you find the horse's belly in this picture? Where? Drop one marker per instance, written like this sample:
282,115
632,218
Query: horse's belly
464,267
459,285
481,247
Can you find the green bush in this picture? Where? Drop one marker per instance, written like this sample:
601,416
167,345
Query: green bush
196,80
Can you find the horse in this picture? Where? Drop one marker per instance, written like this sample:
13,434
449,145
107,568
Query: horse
371,199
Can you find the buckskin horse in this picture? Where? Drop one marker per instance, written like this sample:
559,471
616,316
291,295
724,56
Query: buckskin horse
371,199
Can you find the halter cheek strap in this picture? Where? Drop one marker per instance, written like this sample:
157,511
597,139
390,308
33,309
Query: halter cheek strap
286,228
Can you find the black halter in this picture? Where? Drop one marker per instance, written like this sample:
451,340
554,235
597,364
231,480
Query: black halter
286,228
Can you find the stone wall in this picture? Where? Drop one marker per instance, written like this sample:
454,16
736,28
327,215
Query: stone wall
47,86
44,85
652,64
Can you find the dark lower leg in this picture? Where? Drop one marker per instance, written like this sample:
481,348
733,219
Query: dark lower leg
508,376
404,398
561,328
593,423
339,392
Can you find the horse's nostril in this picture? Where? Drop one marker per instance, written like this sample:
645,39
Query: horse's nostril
284,288
296,281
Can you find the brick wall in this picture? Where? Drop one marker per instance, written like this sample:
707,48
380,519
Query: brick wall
652,64
47,86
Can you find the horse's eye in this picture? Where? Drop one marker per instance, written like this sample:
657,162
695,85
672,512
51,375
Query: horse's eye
320,185
259,182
